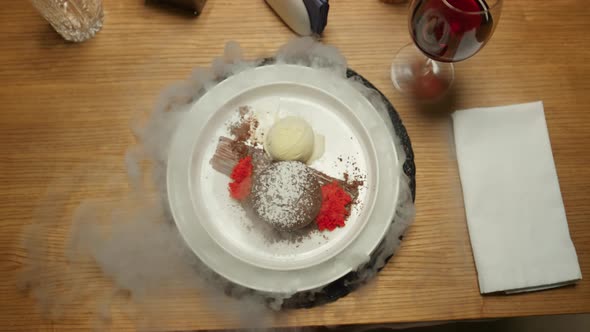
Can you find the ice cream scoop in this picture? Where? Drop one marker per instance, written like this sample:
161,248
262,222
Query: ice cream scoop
290,138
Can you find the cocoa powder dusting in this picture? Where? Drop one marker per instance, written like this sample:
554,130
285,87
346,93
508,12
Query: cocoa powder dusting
241,130
240,149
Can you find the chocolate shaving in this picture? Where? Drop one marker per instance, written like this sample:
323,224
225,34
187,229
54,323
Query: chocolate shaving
229,152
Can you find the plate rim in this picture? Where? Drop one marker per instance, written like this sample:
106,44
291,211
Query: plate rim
177,219
334,248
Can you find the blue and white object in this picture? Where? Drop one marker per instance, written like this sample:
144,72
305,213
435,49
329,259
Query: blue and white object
305,17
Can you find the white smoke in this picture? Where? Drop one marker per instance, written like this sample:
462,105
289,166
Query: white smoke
123,249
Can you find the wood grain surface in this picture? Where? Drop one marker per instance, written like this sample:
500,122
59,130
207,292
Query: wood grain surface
64,105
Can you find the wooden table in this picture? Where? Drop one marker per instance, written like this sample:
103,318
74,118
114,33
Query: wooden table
65,104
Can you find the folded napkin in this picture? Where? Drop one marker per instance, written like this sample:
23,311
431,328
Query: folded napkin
515,214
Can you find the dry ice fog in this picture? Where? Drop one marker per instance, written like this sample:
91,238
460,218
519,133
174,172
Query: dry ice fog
123,256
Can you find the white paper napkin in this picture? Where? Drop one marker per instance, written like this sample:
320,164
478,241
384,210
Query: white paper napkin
515,214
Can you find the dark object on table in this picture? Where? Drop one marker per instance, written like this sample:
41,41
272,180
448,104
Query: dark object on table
304,17
318,14
196,6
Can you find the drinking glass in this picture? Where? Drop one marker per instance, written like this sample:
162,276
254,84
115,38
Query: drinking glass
74,20
443,32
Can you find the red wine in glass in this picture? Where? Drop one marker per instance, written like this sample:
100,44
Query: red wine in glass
450,30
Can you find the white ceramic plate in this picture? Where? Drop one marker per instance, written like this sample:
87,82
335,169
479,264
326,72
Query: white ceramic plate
217,229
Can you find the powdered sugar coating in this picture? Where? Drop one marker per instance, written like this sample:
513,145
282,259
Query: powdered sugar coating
286,195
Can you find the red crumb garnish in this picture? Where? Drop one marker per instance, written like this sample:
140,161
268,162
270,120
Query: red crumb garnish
333,212
242,179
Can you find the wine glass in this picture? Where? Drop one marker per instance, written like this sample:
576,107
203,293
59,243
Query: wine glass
443,32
